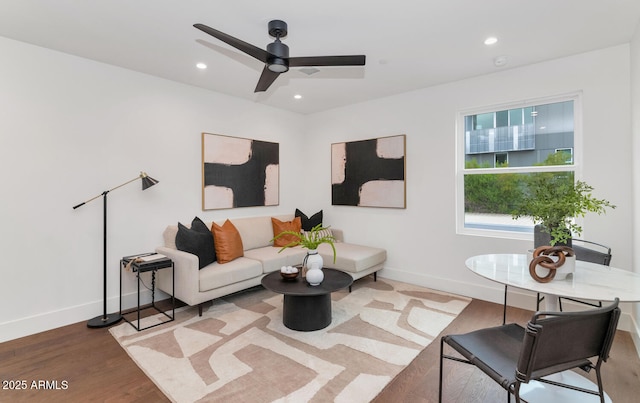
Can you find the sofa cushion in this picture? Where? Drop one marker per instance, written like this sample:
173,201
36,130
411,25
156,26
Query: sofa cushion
350,257
280,226
227,242
273,260
309,222
257,232
218,275
197,240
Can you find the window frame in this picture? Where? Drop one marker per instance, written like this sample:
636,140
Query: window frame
460,159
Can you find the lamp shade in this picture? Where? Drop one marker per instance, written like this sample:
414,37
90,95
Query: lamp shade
147,181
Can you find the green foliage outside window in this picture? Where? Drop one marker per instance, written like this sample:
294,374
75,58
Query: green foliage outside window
491,193
503,193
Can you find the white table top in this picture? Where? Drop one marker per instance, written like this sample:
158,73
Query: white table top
590,280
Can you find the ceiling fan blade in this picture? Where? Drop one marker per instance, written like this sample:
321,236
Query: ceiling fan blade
353,60
243,46
266,79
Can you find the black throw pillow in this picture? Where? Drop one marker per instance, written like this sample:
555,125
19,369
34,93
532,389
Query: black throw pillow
309,222
197,240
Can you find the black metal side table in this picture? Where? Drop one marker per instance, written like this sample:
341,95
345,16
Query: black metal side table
148,262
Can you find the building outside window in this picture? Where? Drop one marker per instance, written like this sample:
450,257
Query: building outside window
499,148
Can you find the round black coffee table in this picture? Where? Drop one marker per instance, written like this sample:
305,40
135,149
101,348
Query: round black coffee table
307,307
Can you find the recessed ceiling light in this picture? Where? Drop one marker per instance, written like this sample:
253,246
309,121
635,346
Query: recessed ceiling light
201,66
297,96
490,40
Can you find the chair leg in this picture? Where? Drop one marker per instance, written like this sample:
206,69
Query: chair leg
504,308
516,392
560,303
538,301
600,390
375,276
440,379
200,309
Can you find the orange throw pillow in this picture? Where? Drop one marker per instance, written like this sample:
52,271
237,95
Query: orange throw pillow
227,242
279,226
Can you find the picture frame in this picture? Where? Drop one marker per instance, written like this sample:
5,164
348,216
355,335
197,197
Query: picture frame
369,173
239,172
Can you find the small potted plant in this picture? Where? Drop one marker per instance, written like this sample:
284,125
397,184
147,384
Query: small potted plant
311,240
552,200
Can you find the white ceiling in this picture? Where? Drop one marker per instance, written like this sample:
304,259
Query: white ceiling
409,44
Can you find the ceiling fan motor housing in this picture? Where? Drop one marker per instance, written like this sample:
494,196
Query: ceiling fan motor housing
278,48
279,57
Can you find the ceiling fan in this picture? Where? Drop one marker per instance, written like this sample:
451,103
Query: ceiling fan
276,57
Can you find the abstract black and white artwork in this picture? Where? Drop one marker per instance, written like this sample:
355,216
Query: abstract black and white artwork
238,172
369,173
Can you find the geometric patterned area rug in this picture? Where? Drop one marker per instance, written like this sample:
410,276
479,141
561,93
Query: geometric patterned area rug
240,351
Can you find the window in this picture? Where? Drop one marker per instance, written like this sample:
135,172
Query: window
503,148
567,154
502,159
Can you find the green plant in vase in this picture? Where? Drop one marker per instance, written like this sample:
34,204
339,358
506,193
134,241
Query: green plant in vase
553,200
309,239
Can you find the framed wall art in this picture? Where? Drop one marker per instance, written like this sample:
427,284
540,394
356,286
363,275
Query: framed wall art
238,172
369,173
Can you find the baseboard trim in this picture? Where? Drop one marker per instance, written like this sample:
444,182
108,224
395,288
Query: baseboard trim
54,319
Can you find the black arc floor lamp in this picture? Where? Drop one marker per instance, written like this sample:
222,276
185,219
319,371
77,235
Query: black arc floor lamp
108,320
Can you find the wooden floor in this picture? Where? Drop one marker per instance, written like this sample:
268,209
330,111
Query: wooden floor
82,365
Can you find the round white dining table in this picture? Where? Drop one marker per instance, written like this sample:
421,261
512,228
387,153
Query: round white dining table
590,281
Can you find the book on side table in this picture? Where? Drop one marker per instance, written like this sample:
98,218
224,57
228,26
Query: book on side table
146,261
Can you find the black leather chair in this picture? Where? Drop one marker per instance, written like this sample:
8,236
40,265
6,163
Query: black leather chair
586,251
551,343
592,252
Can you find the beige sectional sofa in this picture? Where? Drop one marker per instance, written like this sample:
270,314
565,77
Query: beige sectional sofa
195,286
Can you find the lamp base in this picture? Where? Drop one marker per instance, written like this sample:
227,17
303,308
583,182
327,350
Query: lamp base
104,321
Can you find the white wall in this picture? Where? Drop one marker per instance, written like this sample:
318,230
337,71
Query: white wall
72,128
635,118
422,243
